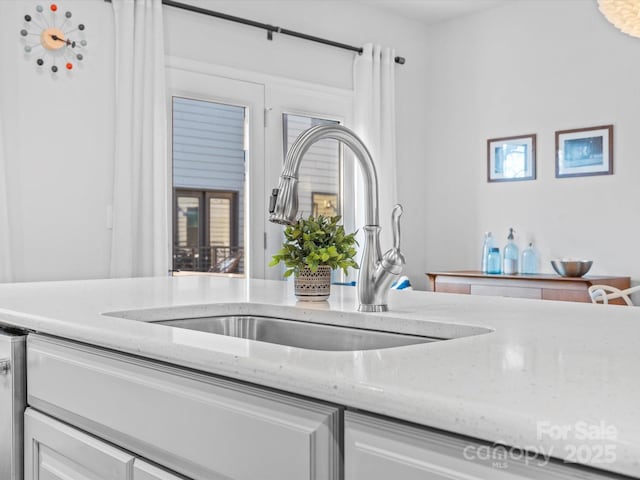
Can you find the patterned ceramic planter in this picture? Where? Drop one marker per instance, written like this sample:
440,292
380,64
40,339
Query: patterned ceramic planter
313,287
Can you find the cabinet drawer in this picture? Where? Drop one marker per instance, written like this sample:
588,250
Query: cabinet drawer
197,425
506,291
569,295
57,451
143,471
380,449
451,287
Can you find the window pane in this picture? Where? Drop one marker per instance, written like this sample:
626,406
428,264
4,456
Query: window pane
220,221
209,161
187,233
188,218
320,172
226,256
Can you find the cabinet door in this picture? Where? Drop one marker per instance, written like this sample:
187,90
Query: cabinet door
144,471
380,449
13,386
55,451
197,425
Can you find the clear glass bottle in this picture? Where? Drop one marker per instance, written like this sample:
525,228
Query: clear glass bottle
493,261
529,260
486,246
511,256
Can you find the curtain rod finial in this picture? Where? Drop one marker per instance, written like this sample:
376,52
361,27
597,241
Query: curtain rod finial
400,60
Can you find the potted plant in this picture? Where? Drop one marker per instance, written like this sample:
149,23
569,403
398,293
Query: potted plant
312,248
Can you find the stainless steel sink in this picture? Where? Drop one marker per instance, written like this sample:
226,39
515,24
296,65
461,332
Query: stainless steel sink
313,336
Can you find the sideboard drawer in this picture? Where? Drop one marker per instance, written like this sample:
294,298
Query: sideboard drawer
198,425
506,291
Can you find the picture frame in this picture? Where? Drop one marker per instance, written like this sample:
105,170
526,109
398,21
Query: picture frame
511,159
325,204
584,151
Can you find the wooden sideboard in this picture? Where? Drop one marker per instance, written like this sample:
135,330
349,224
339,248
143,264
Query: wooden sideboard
540,286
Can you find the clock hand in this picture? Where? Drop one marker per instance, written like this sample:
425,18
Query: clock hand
58,39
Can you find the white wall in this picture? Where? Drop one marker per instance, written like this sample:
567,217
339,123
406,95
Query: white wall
59,130
58,133
531,67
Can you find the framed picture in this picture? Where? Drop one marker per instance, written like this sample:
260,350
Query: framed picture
511,158
584,151
324,204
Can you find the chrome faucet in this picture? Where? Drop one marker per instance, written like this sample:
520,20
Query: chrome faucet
377,271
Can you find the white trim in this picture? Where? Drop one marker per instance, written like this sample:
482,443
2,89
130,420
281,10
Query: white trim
251,76
204,86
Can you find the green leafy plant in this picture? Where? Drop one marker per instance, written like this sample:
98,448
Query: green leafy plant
316,241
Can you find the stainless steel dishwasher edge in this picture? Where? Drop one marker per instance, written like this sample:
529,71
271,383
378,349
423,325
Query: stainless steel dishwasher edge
13,389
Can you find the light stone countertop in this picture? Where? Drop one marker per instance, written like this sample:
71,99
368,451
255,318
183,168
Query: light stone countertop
545,367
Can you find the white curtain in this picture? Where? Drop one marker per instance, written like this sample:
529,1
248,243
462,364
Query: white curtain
5,252
375,123
140,236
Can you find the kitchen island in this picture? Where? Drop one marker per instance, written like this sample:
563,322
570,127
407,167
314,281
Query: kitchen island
549,377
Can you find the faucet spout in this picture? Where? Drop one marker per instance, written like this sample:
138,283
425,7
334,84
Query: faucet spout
286,206
375,275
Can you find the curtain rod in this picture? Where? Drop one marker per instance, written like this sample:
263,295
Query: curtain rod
269,28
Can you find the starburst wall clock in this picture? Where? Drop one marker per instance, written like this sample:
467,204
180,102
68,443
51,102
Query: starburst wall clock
53,38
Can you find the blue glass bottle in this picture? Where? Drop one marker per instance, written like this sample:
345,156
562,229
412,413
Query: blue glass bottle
486,246
493,261
529,260
511,256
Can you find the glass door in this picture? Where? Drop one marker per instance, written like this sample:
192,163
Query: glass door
320,183
209,160
219,205
325,184
206,232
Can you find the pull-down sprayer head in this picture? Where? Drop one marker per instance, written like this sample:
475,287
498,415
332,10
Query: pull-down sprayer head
283,204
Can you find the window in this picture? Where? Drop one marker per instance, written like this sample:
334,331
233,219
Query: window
320,173
227,142
206,232
326,176
209,185
217,134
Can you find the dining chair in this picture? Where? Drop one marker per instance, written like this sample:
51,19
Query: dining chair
604,293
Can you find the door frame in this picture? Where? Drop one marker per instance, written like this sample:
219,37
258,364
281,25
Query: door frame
199,84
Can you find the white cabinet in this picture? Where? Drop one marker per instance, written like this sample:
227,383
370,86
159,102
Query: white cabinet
379,449
55,451
204,427
197,425
144,471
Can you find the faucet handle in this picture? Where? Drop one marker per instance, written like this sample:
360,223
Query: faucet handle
272,200
396,213
393,260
